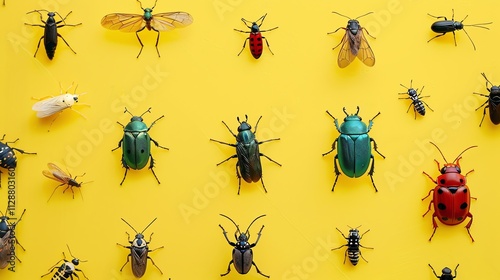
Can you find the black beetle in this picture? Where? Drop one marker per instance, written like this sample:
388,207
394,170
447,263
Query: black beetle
446,273
139,251
242,256
493,102
8,157
445,26
416,100
247,152
353,245
50,32
67,269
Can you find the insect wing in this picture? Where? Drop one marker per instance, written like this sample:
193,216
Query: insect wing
50,106
139,261
345,54
123,22
5,250
56,173
365,52
172,20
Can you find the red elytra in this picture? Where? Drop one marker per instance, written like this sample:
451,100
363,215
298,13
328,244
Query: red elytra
451,198
255,37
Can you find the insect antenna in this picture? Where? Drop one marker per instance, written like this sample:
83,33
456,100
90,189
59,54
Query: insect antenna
147,111
345,112
140,3
149,225
439,151
74,256
464,152
488,81
154,5
237,227
364,15
246,232
341,15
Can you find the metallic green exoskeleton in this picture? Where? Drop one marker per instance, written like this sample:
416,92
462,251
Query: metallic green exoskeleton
354,148
136,149
247,151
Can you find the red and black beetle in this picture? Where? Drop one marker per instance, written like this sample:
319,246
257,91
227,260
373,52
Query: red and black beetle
255,37
451,197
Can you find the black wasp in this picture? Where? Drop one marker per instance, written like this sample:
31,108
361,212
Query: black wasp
353,245
416,100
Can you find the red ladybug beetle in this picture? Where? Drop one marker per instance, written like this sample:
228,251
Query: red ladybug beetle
451,197
255,36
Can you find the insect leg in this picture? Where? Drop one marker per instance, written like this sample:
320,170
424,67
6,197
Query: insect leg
333,148
59,35
262,181
258,270
267,43
233,156
79,270
239,178
228,269
220,142
258,237
225,235
155,264
375,147
38,46
52,268
119,144
428,194
468,226
151,165
244,44
55,191
22,151
128,259
484,111
140,42
274,139
263,155
408,106
156,45
439,36
361,255
426,103
434,225
126,170
156,143
336,169
372,169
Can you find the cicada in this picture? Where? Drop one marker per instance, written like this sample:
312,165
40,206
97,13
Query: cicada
57,174
354,44
49,106
136,23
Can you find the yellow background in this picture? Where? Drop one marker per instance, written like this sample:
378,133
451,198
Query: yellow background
200,81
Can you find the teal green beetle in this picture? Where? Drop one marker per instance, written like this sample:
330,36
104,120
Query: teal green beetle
136,149
354,148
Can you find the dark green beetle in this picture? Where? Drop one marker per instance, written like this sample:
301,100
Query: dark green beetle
354,148
136,150
247,151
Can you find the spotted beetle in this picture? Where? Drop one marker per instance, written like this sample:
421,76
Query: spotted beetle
242,256
136,150
446,273
247,151
451,197
416,100
353,245
8,158
493,102
67,269
255,36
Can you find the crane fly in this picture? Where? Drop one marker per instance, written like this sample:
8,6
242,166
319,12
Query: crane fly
136,23
354,44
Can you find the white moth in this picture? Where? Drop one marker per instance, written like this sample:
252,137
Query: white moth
49,106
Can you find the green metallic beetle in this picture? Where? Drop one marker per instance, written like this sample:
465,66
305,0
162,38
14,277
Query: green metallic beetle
136,150
354,148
